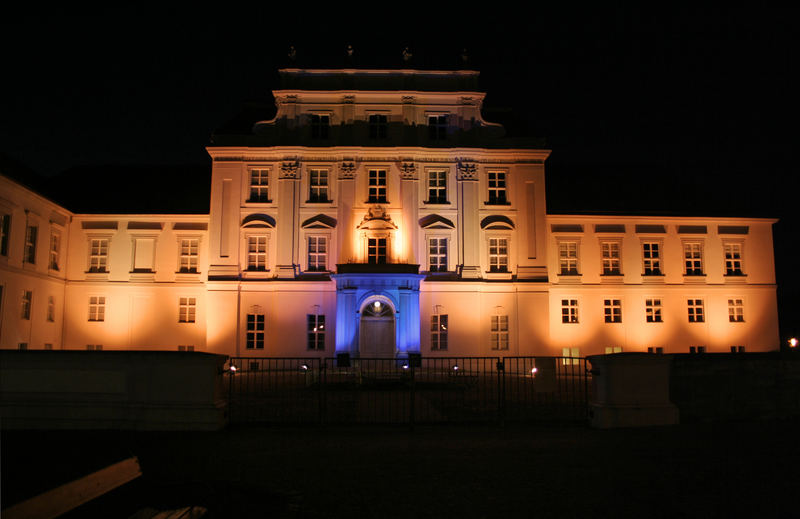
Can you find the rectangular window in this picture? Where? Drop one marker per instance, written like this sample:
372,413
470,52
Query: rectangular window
568,258
188,347
51,309
437,127
439,332
48,345
571,356
316,332
377,186
259,185
697,349
5,227
376,251
693,258
437,254
378,125
189,254
733,259
499,337
569,310
696,314
98,255
55,250
655,349
257,253
94,347
318,186
317,253
22,346
498,254
29,255
652,308
320,126
97,308
255,332
612,310
27,300
613,349
497,187
437,187
651,254
187,307
736,310
611,258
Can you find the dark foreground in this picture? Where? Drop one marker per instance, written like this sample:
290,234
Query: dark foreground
700,470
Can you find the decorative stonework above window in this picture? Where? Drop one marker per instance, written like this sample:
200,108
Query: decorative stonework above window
289,169
467,171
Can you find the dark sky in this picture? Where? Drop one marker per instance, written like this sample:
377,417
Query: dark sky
687,112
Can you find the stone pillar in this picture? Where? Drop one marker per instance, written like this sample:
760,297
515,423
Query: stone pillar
409,195
345,226
346,320
409,337
288,201
631,390
468,226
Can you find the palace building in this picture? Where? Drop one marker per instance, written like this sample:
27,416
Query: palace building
379,214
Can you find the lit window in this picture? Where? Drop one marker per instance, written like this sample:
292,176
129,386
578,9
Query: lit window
189,255
498,254
320,126
437,127
499,335
570,356
51,309
696,314
97,308
55,250
259,185
651,254
318,186
98,255
255,332
437,187
317,253
5,227
29,255
735,310
316,332
693,258
377,126
497,188
377,186
611,258
733,259
612,310
27,299
256,253
437,254
439,332
569,310
187,307
568,258
613,349
652,309
376,251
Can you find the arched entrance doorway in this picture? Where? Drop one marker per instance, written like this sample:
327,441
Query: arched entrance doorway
377,329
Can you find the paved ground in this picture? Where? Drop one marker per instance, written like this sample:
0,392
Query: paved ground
701,470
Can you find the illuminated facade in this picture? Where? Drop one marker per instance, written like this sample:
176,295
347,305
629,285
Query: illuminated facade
378,214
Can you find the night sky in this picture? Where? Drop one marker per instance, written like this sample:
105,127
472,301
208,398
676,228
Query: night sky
677,112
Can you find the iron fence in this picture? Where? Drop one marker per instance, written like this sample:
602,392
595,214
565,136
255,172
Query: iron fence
432,390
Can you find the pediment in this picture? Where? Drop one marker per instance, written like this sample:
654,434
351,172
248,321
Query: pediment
435,221
258,220
376,219
320,221
497,221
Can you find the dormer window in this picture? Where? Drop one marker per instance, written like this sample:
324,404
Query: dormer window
320,126
377,186
377,126
437,127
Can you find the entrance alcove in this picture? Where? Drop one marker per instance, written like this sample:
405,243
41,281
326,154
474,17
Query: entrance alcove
376,334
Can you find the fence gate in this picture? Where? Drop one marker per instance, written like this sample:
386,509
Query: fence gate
395,391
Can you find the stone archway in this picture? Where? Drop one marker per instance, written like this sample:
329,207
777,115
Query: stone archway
377,330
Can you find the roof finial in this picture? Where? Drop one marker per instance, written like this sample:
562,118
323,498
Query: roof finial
407,55
292,55
464,56
350,51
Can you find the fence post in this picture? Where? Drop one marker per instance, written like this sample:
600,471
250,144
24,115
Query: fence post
501,392
413,396
321,382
